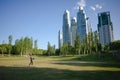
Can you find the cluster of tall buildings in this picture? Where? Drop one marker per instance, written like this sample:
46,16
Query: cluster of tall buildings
81,26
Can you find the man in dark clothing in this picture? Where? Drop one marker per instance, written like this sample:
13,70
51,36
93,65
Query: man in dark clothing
31,60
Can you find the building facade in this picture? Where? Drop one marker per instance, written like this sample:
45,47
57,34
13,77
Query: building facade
88,26
81,24
105,28
73,30
66,27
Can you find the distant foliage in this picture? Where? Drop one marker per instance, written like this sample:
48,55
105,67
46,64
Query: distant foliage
89,45
115,45
50,49
22,46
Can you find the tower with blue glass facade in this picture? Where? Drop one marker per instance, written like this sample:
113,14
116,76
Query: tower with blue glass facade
73,30
66,27
105,28
81,24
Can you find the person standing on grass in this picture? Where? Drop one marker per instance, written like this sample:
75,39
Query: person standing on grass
31,60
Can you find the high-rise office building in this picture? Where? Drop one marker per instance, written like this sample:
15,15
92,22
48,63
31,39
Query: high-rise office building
81,24
60,39
66,27
88,26
105,28
73,30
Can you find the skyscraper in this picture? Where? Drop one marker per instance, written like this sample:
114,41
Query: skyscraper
60,39
81,24
66,27
73,30
105,28
88,26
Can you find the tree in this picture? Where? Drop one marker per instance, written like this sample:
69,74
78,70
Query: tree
96,41
10,44
72,50
115,46
85,45
3,48
77,44
89,42
53,49
65,49
28,45
49,49
35,44
21,46
35,47
10,39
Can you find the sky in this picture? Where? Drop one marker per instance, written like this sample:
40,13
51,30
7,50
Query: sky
42,19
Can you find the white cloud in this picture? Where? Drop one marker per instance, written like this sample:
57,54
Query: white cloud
96,7
93,8
80,3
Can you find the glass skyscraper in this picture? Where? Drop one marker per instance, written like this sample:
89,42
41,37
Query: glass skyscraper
60,39
81,24
88,26
66,27
105,28
73,30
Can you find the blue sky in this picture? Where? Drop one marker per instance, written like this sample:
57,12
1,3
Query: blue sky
42,19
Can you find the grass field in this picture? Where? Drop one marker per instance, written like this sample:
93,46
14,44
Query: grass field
58,68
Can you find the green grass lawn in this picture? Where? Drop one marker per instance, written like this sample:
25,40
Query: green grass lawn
59,68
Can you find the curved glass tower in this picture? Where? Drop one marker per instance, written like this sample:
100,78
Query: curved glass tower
66,27
73,30
81,24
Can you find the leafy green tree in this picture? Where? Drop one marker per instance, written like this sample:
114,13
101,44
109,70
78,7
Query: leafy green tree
35,44
72,50
49,49
21,46
35,47
89,42
85,45
16,46
65,49
10,44
10,39
28,45
115,46
53,49
77,45
3,48
57,52
96,41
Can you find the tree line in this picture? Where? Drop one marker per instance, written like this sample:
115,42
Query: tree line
22,46
89,45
